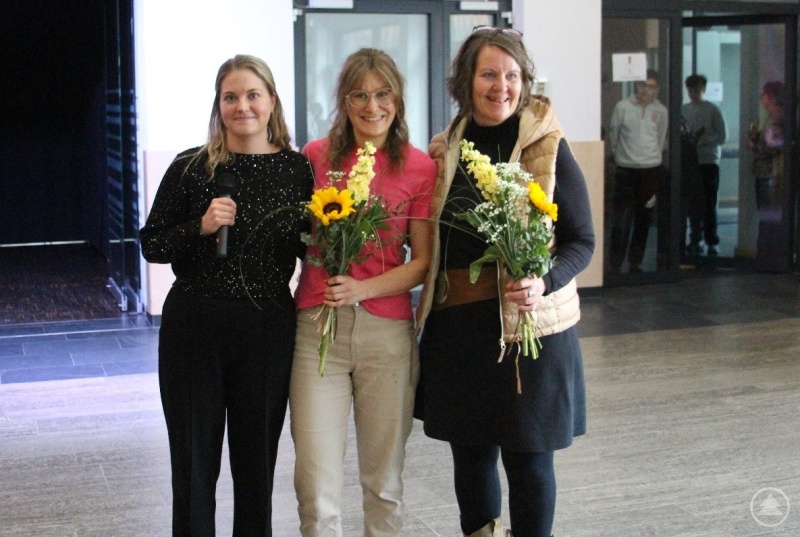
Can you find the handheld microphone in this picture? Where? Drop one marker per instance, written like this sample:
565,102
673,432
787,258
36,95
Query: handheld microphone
226,185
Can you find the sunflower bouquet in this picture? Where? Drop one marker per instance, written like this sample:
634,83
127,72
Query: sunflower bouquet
515,223
345,221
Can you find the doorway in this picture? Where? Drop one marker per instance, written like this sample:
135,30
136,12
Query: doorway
741,57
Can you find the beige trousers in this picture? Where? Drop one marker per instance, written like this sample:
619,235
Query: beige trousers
373,366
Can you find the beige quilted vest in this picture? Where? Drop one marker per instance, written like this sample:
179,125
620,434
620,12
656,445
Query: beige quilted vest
536,150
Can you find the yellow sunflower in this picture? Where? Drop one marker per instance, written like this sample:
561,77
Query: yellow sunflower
330,204
539,200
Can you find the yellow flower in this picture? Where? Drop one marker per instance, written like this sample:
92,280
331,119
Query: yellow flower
539,200
362,173
330,204
480,166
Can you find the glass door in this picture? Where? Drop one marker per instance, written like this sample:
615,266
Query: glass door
636,111
745,63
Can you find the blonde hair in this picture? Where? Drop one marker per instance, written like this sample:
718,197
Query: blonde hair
216,148
356,67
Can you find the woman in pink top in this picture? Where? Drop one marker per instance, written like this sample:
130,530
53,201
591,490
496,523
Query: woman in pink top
373,364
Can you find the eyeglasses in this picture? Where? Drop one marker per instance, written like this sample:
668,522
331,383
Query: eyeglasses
359,98
649,86
485,28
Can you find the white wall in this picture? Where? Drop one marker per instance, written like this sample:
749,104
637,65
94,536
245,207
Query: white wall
179,46
563,39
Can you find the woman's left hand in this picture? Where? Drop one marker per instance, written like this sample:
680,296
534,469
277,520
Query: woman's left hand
525,293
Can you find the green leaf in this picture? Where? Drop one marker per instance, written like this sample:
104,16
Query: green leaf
489,256
475,269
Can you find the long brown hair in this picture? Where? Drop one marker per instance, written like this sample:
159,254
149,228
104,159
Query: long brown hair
459,83
277,132
356,67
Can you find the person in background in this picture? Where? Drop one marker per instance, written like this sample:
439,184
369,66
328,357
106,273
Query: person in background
766,139
467,398
636,137
707,128
227,326
691,188
373,365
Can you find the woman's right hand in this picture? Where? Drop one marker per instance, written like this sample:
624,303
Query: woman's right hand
525,293
221,212
345,290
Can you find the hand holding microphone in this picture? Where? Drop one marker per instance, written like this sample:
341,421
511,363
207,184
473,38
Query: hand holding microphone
222,212
226,186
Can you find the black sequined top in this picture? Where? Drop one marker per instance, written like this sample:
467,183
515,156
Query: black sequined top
264,243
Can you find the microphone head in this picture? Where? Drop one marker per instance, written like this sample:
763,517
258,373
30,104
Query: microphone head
226,184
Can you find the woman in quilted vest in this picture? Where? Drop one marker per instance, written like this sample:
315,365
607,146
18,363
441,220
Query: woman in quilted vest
466,396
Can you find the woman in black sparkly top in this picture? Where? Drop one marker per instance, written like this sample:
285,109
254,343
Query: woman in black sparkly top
228,323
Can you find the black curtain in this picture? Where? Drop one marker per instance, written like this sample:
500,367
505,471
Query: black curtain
52,99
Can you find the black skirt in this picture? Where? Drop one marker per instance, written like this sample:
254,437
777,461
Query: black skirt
467,397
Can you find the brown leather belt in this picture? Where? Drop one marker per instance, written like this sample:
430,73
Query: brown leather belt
453,287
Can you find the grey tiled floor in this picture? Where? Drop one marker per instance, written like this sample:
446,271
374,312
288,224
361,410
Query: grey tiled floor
694,407
81,349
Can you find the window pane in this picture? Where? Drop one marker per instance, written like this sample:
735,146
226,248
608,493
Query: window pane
331,37
460,28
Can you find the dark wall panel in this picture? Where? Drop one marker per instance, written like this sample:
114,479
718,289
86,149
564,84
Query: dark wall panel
52,154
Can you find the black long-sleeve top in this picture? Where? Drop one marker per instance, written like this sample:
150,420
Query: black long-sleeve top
263,245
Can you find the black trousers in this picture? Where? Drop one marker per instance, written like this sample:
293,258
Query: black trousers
223,360
703,220
631,218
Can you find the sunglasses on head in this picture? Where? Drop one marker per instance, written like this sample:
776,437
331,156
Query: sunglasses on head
485,28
